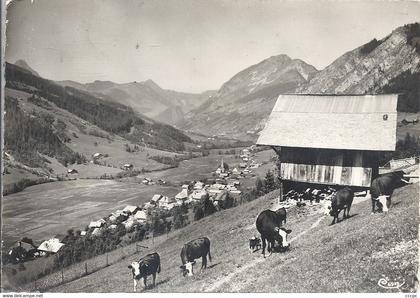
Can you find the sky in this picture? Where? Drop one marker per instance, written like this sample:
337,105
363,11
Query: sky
189,45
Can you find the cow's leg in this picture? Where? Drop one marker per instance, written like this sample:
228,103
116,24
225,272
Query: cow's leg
335,218
388,201
135,284
204,262
154,279
272,245
145,281
373,205
263,245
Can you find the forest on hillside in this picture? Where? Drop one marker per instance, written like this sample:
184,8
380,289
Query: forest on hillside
25,136
112,117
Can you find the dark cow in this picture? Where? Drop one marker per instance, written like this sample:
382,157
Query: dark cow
148,265
254,244
382,188
341,201
193,250
268,225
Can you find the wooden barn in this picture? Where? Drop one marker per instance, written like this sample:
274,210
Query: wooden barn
331,139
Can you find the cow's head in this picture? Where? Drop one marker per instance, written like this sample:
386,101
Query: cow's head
327,207
282,239
135,269
382,200
187,268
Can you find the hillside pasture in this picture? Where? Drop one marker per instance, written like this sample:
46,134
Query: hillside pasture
350,256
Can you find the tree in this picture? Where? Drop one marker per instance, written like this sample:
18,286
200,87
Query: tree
198,213
228,202
179,218
269,182
259,186
208,206
225,166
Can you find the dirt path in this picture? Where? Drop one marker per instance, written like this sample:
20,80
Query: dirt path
228,278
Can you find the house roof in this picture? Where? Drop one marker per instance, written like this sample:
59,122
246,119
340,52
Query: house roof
52,245
130,208
353,122
182,195
156,197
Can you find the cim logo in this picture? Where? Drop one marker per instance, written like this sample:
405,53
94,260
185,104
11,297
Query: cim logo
388,284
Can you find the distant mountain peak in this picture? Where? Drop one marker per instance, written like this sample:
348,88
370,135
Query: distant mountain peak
23,64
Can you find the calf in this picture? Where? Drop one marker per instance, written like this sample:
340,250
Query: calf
268,225
254,244
148,265
193,250
341,201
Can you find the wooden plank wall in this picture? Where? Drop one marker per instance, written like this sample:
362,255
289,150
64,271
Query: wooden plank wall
353,171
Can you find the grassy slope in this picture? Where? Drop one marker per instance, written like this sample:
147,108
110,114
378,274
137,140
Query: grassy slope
350,256
84,143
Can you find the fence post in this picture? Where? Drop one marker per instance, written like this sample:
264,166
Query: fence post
86,271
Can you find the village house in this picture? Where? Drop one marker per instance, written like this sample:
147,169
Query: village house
96,224
198,185
155,199
141,216
97,155
331,139
130,209
166,202
198,194
72,171
52,245
128,167
182,196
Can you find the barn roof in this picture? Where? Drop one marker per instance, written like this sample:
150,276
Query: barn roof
353,122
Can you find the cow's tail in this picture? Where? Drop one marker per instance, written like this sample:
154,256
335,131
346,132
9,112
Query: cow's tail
209,254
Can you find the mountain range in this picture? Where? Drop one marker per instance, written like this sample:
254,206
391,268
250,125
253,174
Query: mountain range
147,98
242,105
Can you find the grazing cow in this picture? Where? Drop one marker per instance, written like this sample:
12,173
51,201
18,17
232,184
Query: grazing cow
382,188
268,225
254,244
148,265
341,201
193,250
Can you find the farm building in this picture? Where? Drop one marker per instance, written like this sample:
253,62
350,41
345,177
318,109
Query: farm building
331,139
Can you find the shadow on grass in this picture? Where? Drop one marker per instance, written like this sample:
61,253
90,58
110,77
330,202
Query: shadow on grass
212,265
396,203
150,286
